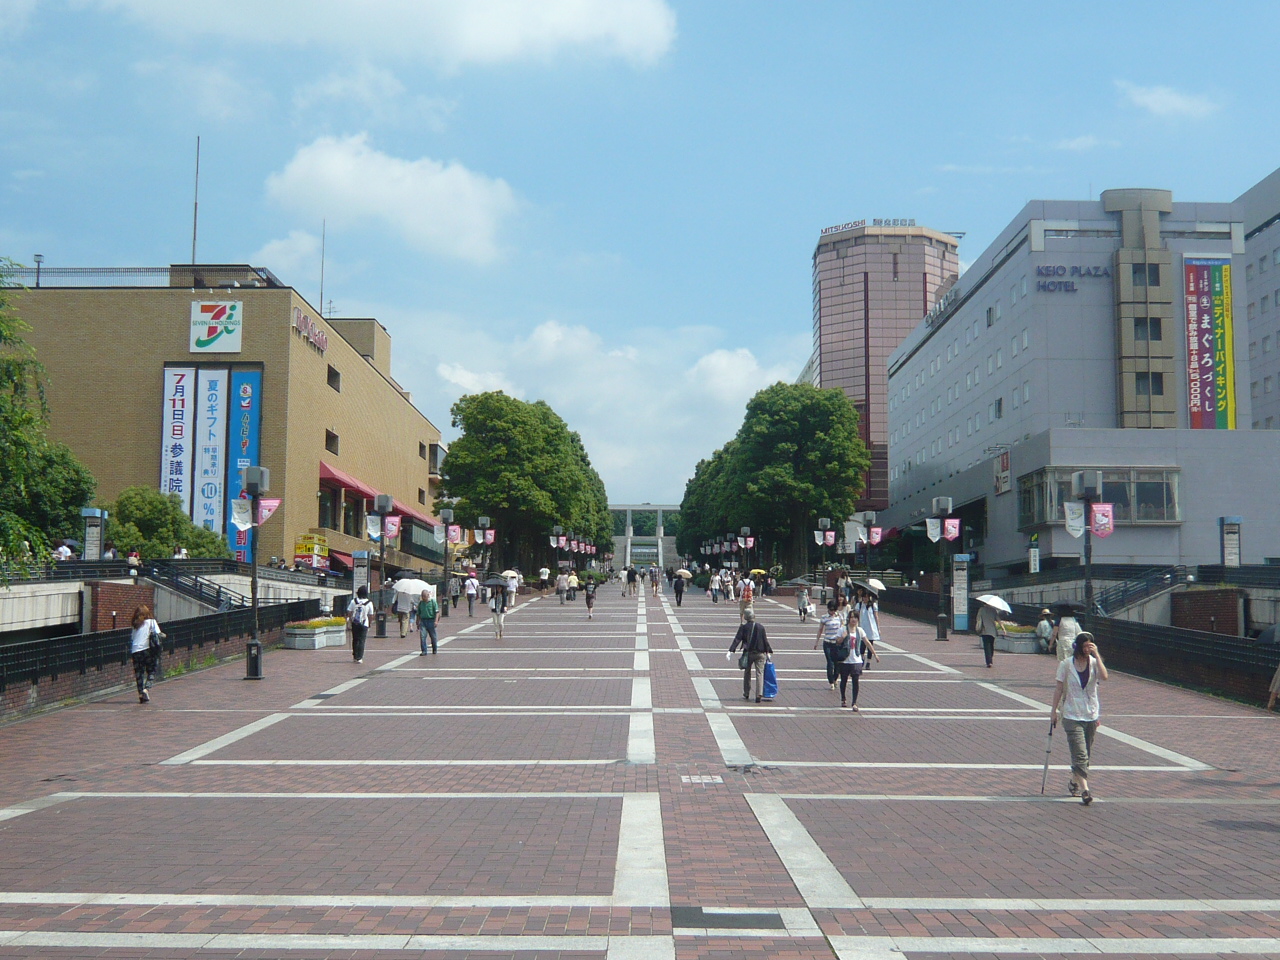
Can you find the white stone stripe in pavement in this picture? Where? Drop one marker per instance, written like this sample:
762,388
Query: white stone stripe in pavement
815,876
706,692
331,692
31,806
923,765
391,665
211,746
732,749
893,948
641,746
640,879
640,661
406,763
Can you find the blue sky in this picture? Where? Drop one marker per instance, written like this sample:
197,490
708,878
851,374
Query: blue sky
606,204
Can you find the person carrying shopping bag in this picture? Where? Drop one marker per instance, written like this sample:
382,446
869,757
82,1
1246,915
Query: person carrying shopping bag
756,652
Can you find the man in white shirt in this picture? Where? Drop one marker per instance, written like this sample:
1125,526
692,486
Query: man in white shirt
544,578
472,588
62,552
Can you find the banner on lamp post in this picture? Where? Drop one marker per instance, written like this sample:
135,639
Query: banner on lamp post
373,526
1074,513
751,543
455,533
266,507
829,538
553,541
933,527
562,542
1103,519
817,537
242,514
874,538
742,542
951,528
437,534
393,527
489,536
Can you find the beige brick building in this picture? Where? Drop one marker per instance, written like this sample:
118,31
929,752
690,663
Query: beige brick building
142,368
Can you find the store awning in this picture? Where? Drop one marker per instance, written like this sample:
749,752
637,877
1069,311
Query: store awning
401,509
345,558
346,481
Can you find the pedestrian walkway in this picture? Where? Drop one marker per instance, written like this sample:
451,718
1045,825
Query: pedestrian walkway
598,789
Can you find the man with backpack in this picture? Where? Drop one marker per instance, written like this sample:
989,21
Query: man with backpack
359,613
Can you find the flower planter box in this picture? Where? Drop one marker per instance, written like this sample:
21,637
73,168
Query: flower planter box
1018,643
314,638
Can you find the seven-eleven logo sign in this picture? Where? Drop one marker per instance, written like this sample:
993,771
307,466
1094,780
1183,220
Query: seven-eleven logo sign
216,326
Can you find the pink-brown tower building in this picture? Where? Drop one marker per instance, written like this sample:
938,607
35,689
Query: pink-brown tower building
873,280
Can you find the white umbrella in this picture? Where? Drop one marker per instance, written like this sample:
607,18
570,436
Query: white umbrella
413,588
878,585
991,600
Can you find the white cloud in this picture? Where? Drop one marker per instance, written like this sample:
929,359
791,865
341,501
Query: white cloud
376,93
446,33
473,381
439,208
214,93
1082,143
1167,102
647,407
295,259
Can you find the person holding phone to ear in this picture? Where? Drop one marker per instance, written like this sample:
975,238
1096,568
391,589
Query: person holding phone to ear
1077,692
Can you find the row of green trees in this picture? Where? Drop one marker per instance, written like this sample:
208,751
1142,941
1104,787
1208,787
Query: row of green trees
796,457
520,465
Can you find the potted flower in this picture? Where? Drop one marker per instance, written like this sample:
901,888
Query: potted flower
315,633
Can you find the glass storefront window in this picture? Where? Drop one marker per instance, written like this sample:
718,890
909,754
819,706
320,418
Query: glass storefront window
1138,495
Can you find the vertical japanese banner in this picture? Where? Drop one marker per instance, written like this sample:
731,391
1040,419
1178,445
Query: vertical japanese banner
176,433
242,451
1210,335
210,473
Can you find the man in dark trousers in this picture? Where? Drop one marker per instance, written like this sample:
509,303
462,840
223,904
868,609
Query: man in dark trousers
678,586
751,637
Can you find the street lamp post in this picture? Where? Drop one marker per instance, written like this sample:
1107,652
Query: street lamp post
746,532
1086,485
867,517
446,515
484,525
382,505
257,481
39,258
824,524
942,509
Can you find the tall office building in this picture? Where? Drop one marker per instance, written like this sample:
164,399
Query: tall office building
873,280
1260,208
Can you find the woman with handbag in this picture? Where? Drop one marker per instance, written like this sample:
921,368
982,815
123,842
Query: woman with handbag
853,664
144,648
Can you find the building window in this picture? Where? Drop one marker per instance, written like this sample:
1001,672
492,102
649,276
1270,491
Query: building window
335,379
1137,494
990,365
1146,274
331,441
895,266
1024,286
1253,349
1025,340
1271,421
1026,390
1147,328
1013,295
1253,390
422,496
1248,271
991,315
1266,384
1265,303
999,411
1262,264
999,359
422,450
1016,397
1275,256
1253,311
1266,344
1149,384
1013,347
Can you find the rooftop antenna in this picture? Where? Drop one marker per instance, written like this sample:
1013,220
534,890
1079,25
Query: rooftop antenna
323,225
195,211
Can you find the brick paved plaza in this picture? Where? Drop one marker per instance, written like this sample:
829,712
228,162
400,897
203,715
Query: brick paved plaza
599,789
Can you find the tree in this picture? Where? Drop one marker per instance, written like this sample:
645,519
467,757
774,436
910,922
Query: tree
42,484
153,523
520,464
797,456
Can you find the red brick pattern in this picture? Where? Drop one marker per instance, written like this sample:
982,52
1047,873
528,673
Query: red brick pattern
108,597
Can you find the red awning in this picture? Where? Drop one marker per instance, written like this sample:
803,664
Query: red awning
346,481
400,508
344,557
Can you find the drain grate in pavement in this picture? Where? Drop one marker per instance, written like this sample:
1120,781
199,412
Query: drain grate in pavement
735,920
698,779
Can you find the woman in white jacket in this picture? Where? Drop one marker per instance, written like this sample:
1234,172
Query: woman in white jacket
145,656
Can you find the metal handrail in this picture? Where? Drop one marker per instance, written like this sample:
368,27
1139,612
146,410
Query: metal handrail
1122,595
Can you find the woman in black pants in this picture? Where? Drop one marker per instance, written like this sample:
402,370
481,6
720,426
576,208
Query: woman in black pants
831,631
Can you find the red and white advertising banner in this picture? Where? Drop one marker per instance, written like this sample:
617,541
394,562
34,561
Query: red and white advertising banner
562,542
951,528
454,533
751,542
393,527
177,433
489,535
1103,520
829,538
266,507
876,533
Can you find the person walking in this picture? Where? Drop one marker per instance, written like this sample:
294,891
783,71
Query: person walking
868,618
834,636
633,576
144,650
428,611
573,585
1077,692
1044,630
754,641
399,608
802,603
987,629
472,587
746,599
655,580
498,609
1064,636
455,591
715,586
677,587
562,587
359,613
589,595
851,667
513,587
544,580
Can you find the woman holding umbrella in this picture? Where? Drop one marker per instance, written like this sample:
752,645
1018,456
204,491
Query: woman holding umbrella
1077,692
988,626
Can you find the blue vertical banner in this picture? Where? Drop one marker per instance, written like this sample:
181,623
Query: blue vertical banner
210,442
242,450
